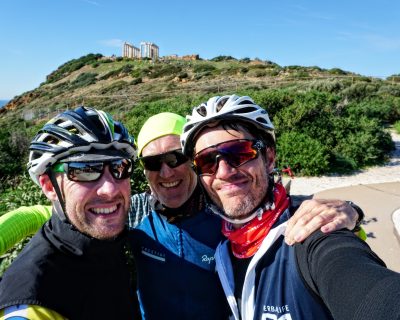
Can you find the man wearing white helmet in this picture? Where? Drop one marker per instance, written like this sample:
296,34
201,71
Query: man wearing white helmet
75,267
174,235
232,144
174,244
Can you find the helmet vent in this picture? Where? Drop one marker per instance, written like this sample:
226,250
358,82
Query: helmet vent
51,140
202,111
73,130
262,120
221,103
246,102
246,110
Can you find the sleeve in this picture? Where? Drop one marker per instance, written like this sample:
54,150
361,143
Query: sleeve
140,208
352,281
20,223
29,312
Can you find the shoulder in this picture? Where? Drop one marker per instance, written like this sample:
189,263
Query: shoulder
31,312
140,208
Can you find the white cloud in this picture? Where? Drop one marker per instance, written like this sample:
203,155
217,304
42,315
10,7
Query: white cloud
382,43
375,41
91,2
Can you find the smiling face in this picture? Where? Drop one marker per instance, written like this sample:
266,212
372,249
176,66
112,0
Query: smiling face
99,208
238,191
171,186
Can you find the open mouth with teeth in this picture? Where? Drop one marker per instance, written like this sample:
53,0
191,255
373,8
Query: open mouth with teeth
170,184
104,211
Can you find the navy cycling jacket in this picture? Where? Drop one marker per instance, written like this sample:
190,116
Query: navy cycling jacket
175,264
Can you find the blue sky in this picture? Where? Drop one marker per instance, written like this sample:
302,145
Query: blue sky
36,37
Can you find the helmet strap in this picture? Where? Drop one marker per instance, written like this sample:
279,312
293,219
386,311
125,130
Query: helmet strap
63,213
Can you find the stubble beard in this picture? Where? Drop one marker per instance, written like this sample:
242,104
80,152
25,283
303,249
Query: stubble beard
244,206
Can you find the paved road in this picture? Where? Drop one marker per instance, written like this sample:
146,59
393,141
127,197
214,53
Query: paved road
381,204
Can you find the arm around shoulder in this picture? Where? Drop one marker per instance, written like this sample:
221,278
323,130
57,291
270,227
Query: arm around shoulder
22,222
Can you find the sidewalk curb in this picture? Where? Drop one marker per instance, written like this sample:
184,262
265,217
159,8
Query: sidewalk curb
396,223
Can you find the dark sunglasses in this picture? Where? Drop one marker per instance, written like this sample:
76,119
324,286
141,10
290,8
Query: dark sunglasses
92,171
172,159
235,152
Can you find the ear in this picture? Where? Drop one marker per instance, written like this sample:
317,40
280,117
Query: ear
47,187
270,159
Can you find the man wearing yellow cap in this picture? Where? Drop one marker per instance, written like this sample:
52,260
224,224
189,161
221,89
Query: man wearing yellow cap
173,234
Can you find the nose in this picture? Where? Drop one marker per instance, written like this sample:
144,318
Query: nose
224,169
166,171
107,186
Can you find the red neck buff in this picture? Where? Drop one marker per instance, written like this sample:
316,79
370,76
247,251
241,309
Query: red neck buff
246,240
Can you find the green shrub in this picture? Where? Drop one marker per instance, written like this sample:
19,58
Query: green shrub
115,86
20,191
303,152
337,71
204,67
256,73
222,58
136,81
71,66
359,91
163,70
83,80
397,126
394,78
14,142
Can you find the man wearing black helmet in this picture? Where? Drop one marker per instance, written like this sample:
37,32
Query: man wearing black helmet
231,142
75,266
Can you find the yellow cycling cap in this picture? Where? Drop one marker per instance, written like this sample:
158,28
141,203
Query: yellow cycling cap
159,125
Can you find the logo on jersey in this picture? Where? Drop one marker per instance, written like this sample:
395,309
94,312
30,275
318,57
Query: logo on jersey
276,313
207,259
153,254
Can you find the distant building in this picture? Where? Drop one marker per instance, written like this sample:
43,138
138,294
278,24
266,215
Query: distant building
147,50
130,51
151,51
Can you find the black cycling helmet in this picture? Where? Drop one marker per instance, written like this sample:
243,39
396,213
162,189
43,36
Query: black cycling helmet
83,134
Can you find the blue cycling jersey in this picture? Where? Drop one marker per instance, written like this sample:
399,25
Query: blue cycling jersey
175,264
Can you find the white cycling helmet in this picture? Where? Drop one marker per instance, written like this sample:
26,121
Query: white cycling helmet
218,108
83,134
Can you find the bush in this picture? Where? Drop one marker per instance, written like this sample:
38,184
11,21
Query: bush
72,66
115,86
204,67
14,142
359,91
303,152
397,126
20,191
136,81
83,80
161,70
222,58
337,71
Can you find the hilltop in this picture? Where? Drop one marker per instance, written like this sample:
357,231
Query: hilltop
327,120
112,83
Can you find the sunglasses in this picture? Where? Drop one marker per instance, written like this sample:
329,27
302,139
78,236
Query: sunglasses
172,159
234,152
92,171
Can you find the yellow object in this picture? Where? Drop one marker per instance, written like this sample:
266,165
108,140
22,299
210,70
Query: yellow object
30,312
158,126
362,234
20,223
